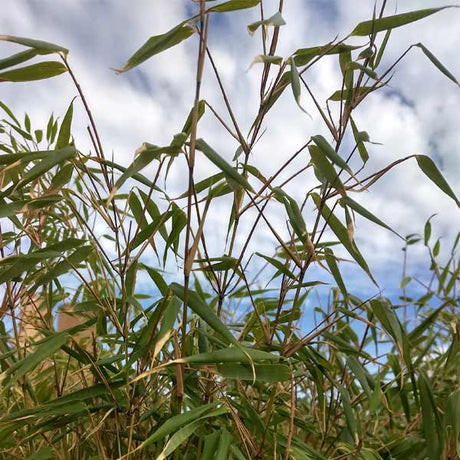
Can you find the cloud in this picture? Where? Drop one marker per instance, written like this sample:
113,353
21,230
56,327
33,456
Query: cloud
418,115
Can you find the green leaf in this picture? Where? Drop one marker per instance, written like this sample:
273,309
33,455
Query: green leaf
391,22
225,167
211,442
430,418
437,63
342,95
63,139
271,373
17,58
325,168
39,71
176,422
230,355
233,5
39,45
282,268
187,129
46,453
295,85
348,410
42,351
295,216
333,267
9,209
145,155
360,373
52,159
347,201
224,445
304,55
357,66
178,438
204,311
341,232
428,167
276,21
452,418
360,137
266,59
157,44
63,267
327,149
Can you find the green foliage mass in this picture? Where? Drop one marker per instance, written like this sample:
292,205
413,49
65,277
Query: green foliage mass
208,364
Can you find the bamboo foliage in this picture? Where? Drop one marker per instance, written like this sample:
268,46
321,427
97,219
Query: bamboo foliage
209,364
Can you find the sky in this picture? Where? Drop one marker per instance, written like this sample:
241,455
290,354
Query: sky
418,113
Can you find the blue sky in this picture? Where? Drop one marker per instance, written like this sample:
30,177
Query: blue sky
418,114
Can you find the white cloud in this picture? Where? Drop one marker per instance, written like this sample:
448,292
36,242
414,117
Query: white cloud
150,103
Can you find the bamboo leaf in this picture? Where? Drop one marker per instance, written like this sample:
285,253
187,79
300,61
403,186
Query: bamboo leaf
276,21
224,445
176,422
437,63
41,46
270,373
63,139
331,153
430,418
43,350
233,5
349,413
51,160
392,22
304,55
282,268
204,311
325,168
230,355
178,438
347,201
295,85
341,232
17,58
428,167
452,418
333,267
157,44
225,167
33,72
63,267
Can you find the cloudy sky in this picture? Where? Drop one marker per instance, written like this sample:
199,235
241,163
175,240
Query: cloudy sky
418,113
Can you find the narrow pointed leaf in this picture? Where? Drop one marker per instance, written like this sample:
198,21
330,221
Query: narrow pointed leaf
42,351
428,167
437,63
41,46
327,149
365,213
204,311
391,22
17,58
325,168
39,71
231,355
271,373
276,20
157,44
225,167
63,139
341,232
176,422
233,5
